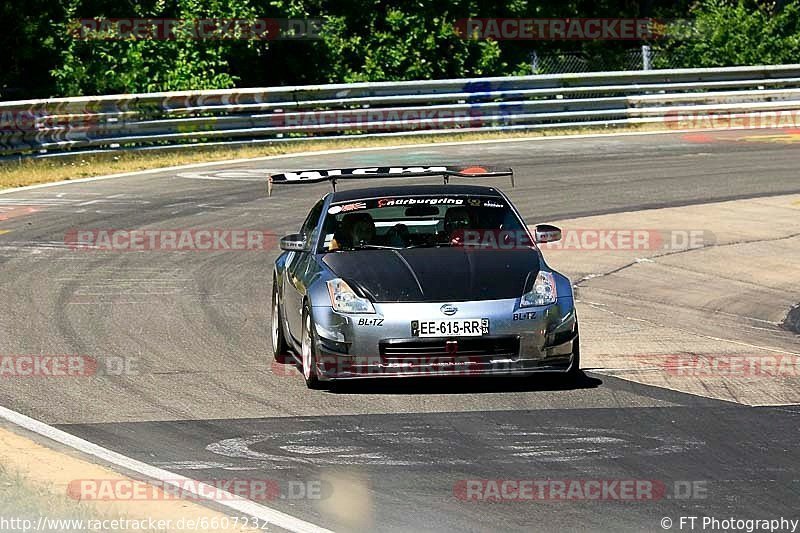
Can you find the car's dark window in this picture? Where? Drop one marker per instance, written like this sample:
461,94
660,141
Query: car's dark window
412,221
310,224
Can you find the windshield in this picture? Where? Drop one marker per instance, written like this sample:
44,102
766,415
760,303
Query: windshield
416,221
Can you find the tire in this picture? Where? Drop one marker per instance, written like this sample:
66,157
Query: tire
280,350
308,352
574,371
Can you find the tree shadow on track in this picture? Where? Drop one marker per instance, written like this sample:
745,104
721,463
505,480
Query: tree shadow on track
466,385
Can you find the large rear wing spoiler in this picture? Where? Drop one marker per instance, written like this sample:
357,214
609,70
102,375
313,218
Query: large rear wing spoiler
333,175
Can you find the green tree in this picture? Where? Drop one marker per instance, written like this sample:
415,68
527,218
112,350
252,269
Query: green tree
741,32
129,65
29,49
391,40
361,40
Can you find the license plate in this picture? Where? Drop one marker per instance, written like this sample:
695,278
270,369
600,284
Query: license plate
450,327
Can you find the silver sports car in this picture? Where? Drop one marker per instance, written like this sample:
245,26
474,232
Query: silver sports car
419,280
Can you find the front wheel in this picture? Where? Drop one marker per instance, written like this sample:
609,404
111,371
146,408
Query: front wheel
280,350
309,352
575,368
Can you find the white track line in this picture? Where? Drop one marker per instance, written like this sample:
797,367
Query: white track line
222,498
369,149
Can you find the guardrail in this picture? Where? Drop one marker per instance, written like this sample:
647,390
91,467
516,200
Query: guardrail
292,114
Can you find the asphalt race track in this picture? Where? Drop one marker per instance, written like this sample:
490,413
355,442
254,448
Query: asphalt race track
202,398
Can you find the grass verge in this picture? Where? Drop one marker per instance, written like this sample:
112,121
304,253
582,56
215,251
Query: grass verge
42,486
22,503
18,173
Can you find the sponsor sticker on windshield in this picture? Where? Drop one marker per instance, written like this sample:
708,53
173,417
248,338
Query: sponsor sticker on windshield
390,202
336,209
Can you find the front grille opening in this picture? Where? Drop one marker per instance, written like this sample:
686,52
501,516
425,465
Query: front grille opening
478,349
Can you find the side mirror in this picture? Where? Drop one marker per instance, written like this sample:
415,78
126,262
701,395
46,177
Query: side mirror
546,233
293,243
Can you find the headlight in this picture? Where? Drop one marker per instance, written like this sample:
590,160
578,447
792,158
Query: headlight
344,300
543,291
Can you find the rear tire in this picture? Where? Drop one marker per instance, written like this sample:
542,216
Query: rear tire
308,352
280,350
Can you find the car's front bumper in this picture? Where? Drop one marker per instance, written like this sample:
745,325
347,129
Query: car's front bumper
520,341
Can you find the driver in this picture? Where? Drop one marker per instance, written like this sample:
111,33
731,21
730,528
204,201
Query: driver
456,220
355,229
399,236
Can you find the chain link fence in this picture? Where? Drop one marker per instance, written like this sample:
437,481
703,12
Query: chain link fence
578,61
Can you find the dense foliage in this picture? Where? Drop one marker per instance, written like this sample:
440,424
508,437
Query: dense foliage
359,40
736,33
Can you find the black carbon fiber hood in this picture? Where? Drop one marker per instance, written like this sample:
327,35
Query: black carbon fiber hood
436,274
